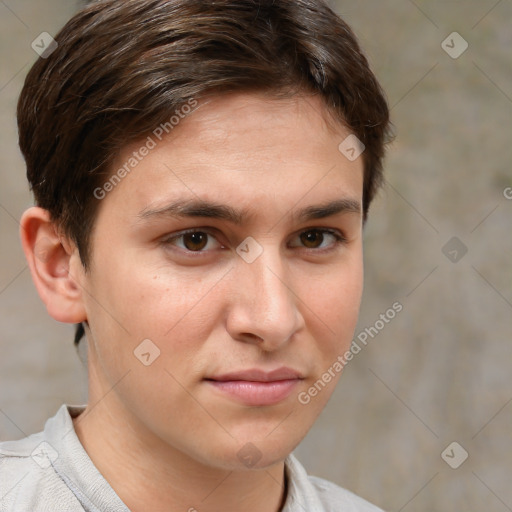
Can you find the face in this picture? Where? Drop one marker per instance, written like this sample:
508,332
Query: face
226,278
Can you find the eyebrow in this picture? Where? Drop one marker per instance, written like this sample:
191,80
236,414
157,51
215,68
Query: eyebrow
212,210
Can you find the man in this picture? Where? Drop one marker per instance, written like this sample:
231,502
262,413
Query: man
202,174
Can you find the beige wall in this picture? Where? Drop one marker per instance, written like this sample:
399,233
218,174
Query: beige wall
441,370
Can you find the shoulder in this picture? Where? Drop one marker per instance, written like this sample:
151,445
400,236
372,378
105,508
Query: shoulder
331,495
319,495
28,481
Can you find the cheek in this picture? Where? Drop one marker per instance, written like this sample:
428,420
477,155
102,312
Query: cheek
174,310
336,302
148,297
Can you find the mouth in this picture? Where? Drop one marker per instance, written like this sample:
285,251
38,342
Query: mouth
256,387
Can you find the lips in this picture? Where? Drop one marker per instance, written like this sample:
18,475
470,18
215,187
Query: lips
256,387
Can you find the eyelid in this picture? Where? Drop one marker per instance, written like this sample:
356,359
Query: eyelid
168,239
340,238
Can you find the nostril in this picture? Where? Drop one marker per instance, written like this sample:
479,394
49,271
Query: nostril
251,336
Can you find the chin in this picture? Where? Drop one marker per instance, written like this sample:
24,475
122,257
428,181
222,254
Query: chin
248,458
248,452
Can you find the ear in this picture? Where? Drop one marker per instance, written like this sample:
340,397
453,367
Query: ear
55,266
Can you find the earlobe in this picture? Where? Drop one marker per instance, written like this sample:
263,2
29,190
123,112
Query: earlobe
54,264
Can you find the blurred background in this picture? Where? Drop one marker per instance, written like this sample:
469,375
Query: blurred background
421,419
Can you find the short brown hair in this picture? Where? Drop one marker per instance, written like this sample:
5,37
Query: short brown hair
123,67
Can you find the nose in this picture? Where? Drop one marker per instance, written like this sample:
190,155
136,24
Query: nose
264,309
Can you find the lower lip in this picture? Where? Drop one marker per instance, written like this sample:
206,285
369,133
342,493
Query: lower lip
256,393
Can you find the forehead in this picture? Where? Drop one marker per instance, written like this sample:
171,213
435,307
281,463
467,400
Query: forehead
246,120
245,148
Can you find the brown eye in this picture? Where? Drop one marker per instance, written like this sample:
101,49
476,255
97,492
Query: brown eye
312,239
195,241
319,240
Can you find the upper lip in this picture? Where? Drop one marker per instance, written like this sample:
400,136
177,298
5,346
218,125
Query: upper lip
257,375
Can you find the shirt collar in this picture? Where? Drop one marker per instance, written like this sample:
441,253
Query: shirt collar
74,466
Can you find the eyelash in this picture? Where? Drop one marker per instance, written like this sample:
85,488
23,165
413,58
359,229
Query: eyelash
339,239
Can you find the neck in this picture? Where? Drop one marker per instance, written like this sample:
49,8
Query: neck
148,474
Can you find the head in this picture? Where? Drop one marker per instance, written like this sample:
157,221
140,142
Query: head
153,118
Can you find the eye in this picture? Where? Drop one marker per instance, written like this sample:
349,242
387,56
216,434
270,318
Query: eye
202,241
323,239
193,241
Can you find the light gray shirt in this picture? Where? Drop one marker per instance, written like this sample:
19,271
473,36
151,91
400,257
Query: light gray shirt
50,471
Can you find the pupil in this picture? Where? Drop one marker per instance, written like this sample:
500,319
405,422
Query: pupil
195,241
312,238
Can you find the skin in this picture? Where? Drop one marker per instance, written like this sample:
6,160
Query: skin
161,435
